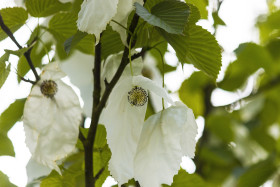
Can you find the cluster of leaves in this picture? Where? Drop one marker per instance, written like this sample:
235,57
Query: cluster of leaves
230,150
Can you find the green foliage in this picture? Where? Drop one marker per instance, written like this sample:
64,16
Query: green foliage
4,70
5,181
201,5
258,173
38,8
250,58
111,43
192,92
198,47
183,179
7,119
63,27
13,18
160,15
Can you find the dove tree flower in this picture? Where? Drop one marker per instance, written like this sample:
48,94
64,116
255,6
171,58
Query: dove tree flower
150,153
96,14
51,118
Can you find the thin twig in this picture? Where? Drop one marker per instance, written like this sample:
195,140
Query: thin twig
26,54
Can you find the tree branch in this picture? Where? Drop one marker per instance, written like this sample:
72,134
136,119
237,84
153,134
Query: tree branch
98,104
26,54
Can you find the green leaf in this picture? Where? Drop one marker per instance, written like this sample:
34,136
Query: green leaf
183,179
194,14
160,15
201,5
73,41
37,53
13,18
4,70
258,173
11,115
39,8
192,93
63,26
217,19
18,52
220,124
6,146
111,43
4,180
250,58
198,47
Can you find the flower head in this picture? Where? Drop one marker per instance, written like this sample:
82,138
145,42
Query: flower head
51,118
123,118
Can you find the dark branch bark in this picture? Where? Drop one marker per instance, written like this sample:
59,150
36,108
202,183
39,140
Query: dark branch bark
98,104
26,54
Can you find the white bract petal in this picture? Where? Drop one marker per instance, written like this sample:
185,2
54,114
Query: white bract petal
125,7
79,69
124,121
34,170
95,15
164,139
51,121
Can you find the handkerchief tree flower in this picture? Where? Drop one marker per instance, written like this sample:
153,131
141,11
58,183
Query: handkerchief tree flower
101,45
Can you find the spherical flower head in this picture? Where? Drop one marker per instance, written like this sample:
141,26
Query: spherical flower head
137,96
51,118
48,88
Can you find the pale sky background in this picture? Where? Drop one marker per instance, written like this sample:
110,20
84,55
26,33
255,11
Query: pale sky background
239,16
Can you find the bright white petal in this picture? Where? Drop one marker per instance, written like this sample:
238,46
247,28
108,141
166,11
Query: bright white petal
124,9
52,71
159,151
95,15
189,133
35,170
79,69
123,123
152,87
51,125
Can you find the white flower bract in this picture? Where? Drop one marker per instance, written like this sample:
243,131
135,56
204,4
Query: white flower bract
95,15
165,138
51,124
124,122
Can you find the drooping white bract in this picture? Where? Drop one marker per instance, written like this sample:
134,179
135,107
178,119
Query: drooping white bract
124,122
51,118
165,138
79,68
95,15
125,7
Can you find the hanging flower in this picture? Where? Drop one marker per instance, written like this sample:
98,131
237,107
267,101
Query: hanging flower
51,118
165,138
96,14
123,118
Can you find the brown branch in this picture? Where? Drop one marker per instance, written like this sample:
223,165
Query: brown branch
26,54
98,105
99,174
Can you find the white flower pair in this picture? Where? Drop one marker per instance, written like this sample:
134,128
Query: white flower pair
96,14
149,151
